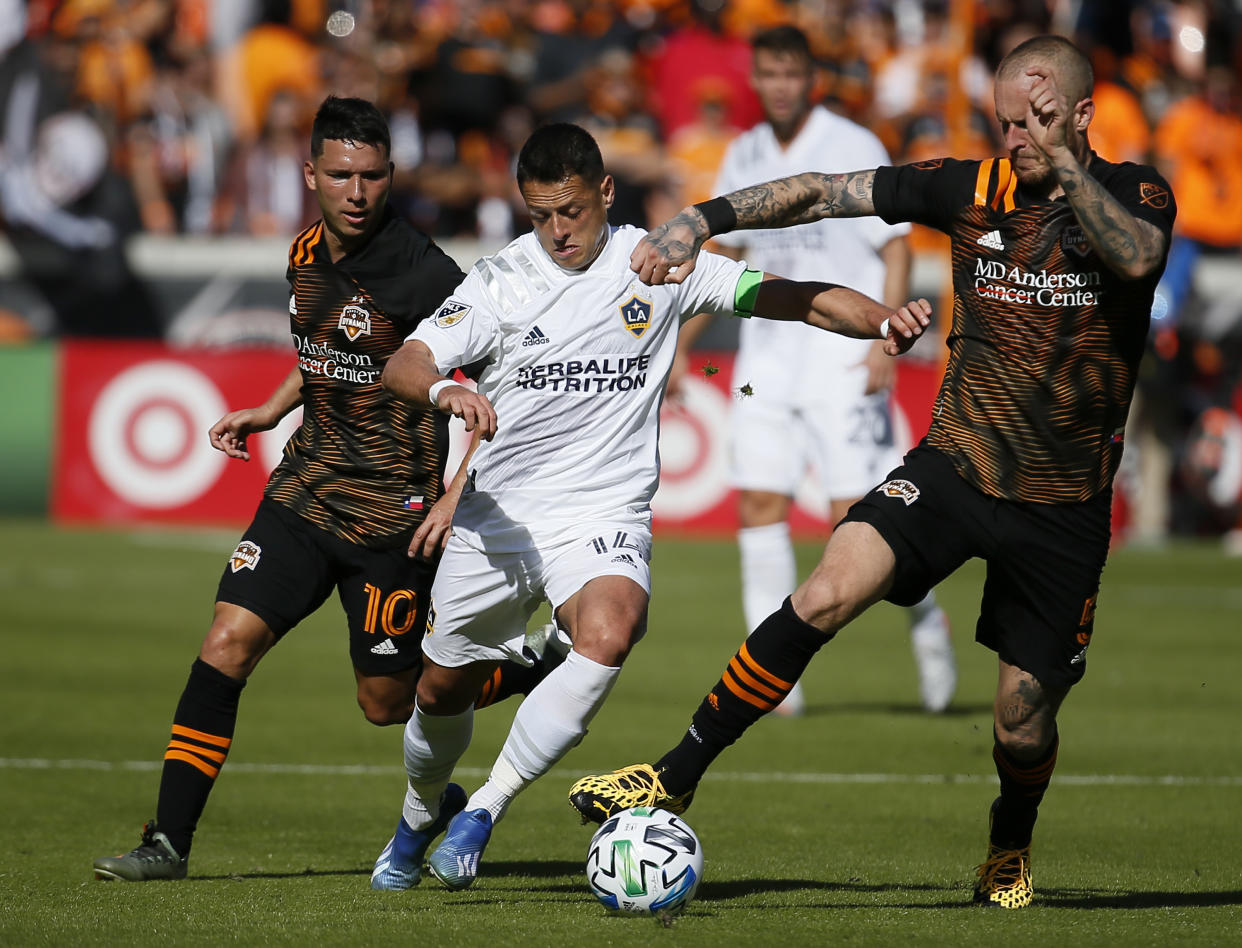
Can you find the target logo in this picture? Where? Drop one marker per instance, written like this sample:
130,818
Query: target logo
148,434
694,464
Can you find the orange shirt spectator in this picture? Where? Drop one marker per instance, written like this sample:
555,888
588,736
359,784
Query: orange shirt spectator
1119,131
269,58
1199,146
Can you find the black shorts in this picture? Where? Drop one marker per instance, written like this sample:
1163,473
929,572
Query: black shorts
1043,560
284,568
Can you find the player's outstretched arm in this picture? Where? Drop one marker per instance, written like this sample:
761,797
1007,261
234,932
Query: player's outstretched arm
668,253
412,376
230,432
842,310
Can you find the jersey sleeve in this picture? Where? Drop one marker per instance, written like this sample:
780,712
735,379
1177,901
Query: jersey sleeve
928,192
712,287
436,276
1144,193
463,330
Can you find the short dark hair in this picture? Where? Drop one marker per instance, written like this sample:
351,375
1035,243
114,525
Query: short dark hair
558,152
349,120
1073,70
783,41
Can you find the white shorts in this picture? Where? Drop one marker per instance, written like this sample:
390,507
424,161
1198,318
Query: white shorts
848,442
481,602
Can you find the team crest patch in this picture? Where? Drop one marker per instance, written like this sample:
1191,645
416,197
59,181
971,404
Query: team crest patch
901,489
1073,240
246,556
355,320
636,312
1153,195
450,314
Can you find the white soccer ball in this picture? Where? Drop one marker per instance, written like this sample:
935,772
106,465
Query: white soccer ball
645,862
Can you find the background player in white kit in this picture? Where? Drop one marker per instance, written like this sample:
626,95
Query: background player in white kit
818,399
572,353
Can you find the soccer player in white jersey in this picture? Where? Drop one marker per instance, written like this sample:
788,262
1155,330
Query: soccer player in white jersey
571,354
818,399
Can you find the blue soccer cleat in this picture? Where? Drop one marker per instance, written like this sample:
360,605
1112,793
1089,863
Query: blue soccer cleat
456,860
400,865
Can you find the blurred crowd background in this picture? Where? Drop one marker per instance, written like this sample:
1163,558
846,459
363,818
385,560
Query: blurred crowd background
190,119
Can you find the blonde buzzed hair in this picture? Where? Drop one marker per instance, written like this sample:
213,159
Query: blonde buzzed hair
1068,63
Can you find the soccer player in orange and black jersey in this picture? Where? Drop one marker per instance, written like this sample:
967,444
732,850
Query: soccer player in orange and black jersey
355,504
1056,256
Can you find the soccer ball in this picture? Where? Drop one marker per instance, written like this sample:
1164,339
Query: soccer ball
645,862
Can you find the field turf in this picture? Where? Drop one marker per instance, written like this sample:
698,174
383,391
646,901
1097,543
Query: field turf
859,824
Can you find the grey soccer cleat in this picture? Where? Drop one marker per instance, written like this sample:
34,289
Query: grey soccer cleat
154,858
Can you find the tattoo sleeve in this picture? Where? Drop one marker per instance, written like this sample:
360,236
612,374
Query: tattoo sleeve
802,198
1127,245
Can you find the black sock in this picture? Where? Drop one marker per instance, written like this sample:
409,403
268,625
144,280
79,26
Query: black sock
1022,788
758,678
202,731
510,679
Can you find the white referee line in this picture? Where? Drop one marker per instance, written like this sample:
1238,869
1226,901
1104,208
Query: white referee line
355,770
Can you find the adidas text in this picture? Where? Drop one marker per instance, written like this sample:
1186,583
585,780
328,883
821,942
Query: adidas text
991,240
535,338
384,648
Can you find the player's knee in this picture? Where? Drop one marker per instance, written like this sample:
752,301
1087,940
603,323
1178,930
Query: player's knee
234,644
610,644
1027,736
386,709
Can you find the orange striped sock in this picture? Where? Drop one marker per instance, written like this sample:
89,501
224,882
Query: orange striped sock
755,681
202,732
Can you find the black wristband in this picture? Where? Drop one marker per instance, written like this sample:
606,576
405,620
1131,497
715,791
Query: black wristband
719,214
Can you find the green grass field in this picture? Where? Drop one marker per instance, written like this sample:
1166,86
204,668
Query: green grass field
857,824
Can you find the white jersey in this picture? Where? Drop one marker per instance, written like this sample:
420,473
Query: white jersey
792,361
575,364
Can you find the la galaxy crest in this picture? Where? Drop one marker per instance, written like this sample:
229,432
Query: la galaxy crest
636,314
355,320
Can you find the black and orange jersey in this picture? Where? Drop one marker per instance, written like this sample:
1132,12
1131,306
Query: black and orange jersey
363,465
1045,339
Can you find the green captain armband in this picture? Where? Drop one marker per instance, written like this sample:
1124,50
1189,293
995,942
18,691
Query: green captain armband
747,290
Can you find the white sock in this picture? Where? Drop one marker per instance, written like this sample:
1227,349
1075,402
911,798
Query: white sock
549,722
923,608
769,572
433,745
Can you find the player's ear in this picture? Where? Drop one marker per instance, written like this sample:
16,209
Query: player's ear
608,190
1084,112
308,172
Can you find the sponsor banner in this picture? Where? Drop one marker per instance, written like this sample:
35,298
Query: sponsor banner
132,442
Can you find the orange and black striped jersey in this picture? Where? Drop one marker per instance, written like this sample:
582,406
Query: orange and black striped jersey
1045,340
363,465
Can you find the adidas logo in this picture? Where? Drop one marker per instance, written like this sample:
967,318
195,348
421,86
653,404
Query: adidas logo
384,648
535,338
991,240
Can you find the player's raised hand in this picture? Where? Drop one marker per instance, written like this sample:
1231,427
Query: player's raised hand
230,432
905,326
1050,110
471,407
669,252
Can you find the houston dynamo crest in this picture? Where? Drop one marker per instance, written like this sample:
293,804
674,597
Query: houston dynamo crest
355,320
636,312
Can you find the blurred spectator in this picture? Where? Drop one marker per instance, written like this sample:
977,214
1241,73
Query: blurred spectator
271,57
697,149
567,40
696,51
628,137
267,196
1119,131
179,150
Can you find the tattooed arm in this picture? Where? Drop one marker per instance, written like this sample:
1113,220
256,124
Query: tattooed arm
1128,246
667,254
